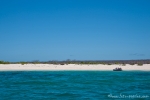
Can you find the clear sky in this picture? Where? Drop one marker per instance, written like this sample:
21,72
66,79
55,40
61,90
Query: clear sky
74,29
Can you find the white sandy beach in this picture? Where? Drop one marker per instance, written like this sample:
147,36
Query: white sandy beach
51,67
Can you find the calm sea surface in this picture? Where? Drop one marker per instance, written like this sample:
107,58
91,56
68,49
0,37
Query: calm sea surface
74,85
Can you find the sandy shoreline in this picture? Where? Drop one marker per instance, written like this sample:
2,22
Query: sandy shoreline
51,67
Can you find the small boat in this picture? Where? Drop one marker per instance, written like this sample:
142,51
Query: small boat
117,69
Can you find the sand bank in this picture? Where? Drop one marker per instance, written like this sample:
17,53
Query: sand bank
51,67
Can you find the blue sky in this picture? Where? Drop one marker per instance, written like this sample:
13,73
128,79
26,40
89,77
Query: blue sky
74,29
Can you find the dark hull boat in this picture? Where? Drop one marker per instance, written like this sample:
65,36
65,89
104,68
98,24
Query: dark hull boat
117,69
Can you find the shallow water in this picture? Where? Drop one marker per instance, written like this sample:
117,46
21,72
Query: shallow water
72,85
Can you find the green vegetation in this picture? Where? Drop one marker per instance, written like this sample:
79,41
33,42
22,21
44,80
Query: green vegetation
68,61
140,64
22,63
36,62
123,64
4,62
132,63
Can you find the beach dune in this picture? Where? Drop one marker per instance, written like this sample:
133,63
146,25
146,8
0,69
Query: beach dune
51,67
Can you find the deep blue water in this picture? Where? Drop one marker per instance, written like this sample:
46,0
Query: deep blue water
74,85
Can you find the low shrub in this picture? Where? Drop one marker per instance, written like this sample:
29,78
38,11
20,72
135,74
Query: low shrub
123,64
140,64
4,62
22,63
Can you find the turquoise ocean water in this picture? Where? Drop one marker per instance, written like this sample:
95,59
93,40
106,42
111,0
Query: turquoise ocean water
74,85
